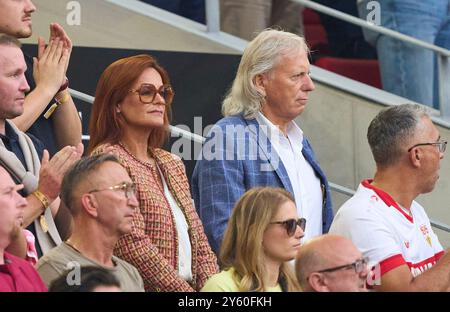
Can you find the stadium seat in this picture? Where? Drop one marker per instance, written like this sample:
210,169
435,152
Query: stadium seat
366,71
315,33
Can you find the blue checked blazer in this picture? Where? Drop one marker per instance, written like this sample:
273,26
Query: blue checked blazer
236,157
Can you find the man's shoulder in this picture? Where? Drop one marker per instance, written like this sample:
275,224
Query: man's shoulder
38,145
125,266
21,267
235,120
419,211
361,195
60,256
361,203
17,261
234,126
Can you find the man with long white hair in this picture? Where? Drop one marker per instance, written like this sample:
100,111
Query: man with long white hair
258,143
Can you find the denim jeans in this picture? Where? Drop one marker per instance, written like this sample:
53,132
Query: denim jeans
407,70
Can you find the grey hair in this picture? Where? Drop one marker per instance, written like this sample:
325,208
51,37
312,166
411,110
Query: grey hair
78,173
391,130
7,40
260,56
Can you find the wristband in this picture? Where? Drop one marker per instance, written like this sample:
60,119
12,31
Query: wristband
42,198
55,105
64,86
45,202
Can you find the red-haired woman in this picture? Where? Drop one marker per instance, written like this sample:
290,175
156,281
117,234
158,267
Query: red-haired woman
130,117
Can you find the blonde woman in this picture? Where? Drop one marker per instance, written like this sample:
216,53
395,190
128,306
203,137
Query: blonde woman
263,234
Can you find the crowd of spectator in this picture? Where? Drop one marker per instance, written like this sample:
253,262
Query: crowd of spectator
123,218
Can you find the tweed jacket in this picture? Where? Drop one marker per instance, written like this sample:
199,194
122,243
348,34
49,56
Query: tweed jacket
235,157
152,245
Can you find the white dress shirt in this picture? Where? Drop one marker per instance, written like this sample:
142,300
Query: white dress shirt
305,183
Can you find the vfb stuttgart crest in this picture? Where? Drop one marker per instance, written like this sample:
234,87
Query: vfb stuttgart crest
425,232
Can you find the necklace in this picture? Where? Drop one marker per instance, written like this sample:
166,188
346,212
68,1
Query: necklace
149,162
72,245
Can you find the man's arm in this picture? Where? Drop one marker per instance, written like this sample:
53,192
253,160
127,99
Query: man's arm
48,73
217,183
436,278
66,121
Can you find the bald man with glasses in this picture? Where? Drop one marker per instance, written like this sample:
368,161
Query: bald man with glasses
331,263
102,199
383,219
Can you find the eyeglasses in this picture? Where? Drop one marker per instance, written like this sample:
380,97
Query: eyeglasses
147,93
291,225
129,188
442,145
359,266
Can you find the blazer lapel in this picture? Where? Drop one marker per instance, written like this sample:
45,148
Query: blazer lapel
165,163
307,153
265,147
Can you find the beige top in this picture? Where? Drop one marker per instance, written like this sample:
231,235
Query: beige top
64,257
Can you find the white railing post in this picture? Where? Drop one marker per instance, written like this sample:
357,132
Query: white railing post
212,11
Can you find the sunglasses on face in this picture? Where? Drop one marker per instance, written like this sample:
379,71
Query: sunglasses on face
291,225
147,93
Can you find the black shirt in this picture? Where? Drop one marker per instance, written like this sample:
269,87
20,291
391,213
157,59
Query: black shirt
42,128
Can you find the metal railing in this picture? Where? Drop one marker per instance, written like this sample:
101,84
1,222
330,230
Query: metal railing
212,12
175,131
213,25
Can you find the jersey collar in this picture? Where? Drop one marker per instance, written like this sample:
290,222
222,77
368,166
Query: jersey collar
386,198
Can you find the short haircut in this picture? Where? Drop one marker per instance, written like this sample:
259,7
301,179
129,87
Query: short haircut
90,278
7,40
78,173
391,130
260,56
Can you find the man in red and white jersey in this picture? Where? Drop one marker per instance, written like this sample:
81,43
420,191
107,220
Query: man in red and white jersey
382,218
